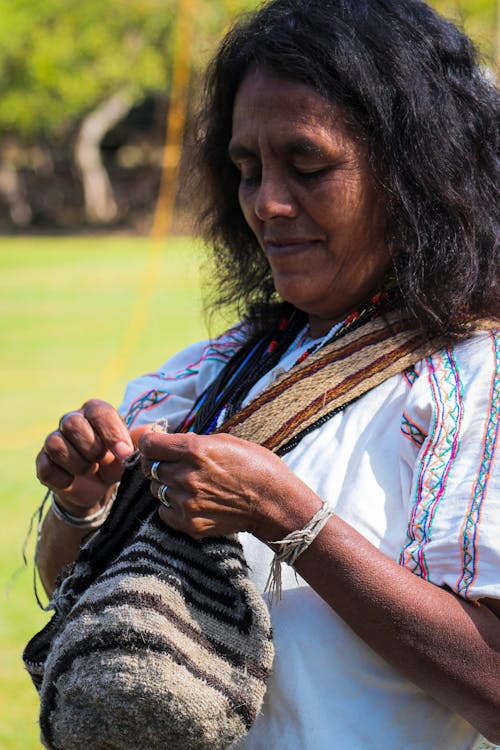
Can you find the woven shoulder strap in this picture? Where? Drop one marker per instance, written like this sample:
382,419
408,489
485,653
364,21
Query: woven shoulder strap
331,379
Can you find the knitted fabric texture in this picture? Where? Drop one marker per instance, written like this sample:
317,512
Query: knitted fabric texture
169,646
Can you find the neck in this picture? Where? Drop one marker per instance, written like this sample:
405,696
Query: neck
319,327
382,299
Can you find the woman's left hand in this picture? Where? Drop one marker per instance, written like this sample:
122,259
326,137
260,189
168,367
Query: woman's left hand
219,485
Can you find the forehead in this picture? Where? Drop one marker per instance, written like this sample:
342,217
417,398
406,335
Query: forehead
270,103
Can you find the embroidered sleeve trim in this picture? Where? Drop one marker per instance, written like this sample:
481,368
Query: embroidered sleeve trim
412,430
437,459
471,526
219,352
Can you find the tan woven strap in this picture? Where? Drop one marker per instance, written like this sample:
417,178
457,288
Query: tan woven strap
329,379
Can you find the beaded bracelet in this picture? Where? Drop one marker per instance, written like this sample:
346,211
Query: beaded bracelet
290,547
93,521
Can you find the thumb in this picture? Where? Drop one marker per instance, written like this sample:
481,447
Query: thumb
137,433
109,426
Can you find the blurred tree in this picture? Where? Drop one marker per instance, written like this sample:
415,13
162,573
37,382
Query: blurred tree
69,65
479,18
71,69
61,58
65,63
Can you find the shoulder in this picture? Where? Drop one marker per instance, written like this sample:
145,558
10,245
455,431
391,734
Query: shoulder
200,356
468,368
473,354
457,386
171,390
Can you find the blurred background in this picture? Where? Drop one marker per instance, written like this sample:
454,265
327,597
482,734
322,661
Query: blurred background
98,271
86,88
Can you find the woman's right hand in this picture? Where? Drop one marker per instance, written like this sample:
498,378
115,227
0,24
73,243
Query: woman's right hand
83,458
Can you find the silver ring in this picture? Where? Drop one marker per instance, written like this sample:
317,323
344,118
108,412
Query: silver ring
65,416
162,495
154,470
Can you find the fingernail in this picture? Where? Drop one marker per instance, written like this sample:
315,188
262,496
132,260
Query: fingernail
122,450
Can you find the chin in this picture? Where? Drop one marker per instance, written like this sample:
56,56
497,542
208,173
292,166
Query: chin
298,292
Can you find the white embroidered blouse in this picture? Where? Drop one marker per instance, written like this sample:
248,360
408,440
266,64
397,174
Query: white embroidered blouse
413,466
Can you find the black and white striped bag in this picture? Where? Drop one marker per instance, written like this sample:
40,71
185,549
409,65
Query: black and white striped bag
158,640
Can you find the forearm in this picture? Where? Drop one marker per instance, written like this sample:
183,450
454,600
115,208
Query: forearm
448,647
59,546
60,541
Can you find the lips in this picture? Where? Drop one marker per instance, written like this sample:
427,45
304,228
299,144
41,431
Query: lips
277,246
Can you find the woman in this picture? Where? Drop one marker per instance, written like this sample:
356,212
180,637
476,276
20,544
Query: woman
348,164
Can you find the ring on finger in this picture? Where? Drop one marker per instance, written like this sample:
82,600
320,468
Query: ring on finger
154,470
162,495
65,416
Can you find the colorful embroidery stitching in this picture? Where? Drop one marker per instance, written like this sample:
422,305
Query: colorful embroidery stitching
410,375
219,351
436,460
148,400
412,431
490,442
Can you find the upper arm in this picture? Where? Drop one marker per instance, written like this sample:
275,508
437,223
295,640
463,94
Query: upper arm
171,391
453,535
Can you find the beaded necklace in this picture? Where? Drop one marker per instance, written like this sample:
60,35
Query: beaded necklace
224,396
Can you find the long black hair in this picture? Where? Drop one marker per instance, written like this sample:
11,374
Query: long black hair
411,84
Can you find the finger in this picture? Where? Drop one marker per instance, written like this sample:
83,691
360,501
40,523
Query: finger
82,436
152,469
155,488
169,447
62,453
50,474
169,517
136,433
68,415
167,499
161,492
164,471
197,528
106,421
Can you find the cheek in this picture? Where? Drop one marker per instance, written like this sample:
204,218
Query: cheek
246,206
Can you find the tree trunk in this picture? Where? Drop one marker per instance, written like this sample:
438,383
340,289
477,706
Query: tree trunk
12,190
100,204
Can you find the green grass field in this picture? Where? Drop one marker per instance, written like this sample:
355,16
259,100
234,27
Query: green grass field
78,318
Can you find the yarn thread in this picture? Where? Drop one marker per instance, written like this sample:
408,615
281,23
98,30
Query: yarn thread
291,547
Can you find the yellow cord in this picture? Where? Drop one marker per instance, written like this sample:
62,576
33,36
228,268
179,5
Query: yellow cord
162,224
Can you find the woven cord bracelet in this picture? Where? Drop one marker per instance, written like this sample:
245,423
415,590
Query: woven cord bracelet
93,521
293,545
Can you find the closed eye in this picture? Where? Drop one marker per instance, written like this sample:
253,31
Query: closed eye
311,174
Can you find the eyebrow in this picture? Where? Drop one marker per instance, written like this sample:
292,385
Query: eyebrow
297,147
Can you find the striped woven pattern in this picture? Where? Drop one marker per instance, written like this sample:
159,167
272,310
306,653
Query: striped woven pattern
169,646
328,380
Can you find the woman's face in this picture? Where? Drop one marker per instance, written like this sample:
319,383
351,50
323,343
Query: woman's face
307,193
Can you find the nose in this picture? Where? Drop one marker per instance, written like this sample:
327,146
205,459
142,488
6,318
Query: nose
274,199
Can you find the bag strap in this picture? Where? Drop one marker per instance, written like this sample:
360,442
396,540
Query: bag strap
331,379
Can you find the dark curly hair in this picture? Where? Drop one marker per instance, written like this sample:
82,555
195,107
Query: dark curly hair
411,85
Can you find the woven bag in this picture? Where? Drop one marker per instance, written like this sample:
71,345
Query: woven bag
167,646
